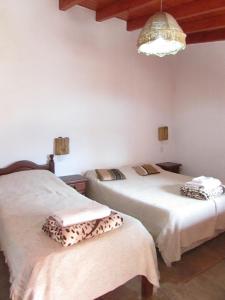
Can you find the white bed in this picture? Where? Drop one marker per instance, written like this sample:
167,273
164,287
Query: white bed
177,223
40,268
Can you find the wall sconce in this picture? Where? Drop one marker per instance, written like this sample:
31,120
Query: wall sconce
61,145
163,133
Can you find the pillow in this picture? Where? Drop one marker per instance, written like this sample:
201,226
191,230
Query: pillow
146,169
140,170
109,174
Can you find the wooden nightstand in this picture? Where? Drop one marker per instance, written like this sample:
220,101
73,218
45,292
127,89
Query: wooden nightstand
170,166
78,182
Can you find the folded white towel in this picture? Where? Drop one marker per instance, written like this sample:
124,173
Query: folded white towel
204,182
204,179
81,215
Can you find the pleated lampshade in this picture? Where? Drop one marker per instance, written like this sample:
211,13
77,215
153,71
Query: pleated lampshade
161,36
61,145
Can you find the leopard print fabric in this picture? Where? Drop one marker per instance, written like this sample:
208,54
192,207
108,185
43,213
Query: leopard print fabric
200,193
68,236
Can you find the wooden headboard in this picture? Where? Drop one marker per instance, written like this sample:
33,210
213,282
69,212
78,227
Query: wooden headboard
25,165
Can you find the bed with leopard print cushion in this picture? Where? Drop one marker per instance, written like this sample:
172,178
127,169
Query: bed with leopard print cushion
68,236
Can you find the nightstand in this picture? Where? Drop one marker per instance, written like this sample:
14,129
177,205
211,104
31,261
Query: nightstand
78,182
170,166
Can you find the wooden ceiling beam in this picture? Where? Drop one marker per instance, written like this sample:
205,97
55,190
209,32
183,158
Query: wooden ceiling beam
180,12
204,24
66,4
118,7
206,37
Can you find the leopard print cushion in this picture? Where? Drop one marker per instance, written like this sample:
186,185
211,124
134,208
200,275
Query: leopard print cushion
74,234
200,193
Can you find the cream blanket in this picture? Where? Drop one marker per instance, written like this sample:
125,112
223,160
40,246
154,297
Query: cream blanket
40,268
176,222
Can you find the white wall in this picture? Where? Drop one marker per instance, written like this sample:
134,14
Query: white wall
199,109
64,74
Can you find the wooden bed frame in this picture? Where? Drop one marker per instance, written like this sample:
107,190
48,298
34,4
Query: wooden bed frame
25,165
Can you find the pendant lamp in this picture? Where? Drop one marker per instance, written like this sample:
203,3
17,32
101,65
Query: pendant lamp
161,36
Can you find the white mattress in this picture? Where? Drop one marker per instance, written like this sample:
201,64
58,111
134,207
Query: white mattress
40,268
176,222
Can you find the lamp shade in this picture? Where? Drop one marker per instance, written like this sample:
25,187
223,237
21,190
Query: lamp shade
163,133
61,145
161,36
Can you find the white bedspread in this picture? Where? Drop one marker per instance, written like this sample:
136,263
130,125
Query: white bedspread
40,268
176,222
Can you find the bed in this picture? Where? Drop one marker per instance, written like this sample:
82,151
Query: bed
177,223
40,268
